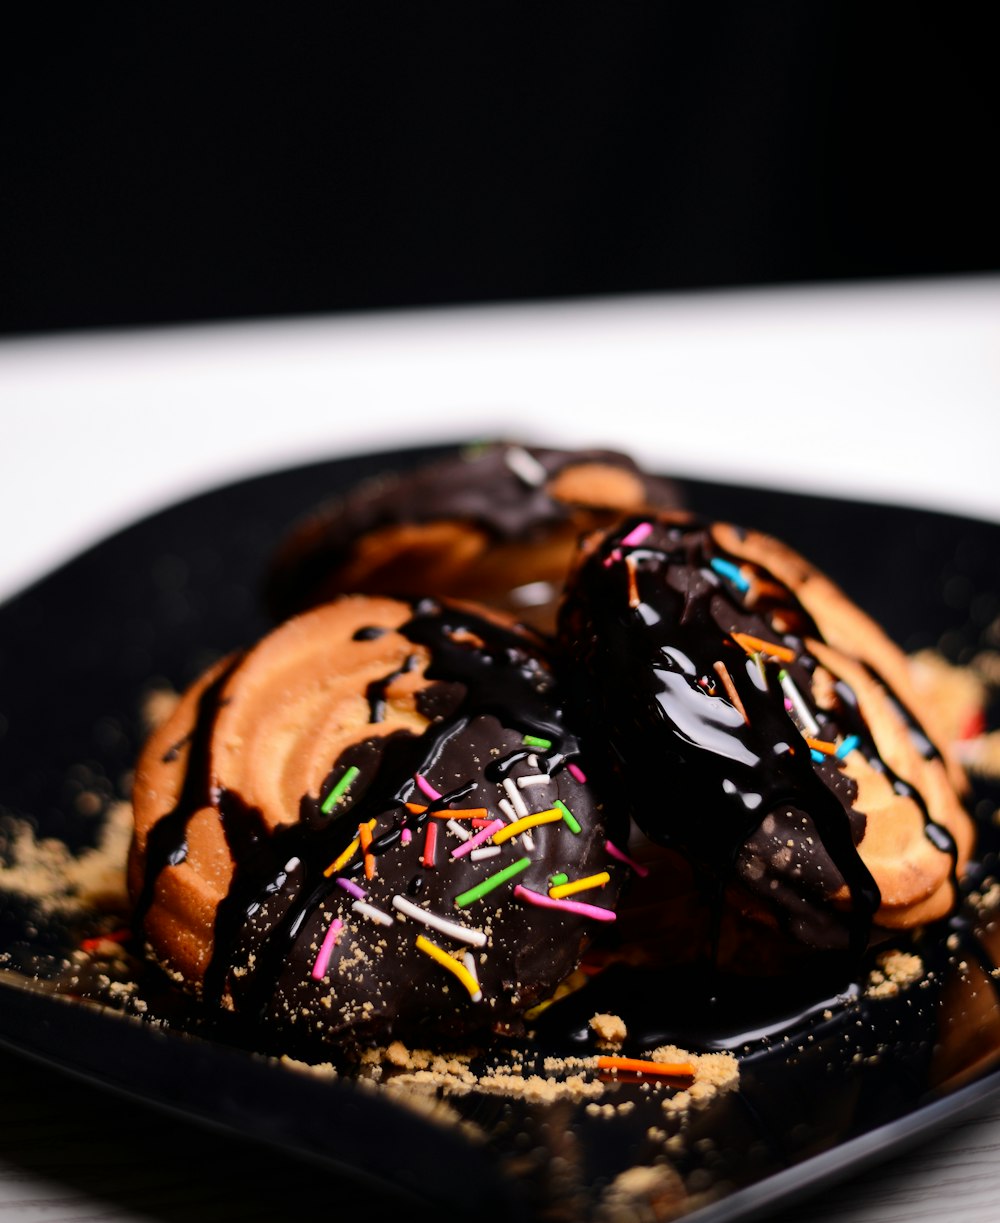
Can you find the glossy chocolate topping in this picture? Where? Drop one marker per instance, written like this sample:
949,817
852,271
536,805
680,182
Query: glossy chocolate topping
295,827
496,523
758,736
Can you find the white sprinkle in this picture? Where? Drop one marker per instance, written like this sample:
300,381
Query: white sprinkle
476,937
454,826
508,811
526,842
516,801
536,779
290,865
533,761
525,466
469,960
485,851
809,723
375,915
532,594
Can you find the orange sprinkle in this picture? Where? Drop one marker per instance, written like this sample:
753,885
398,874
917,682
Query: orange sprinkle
633,586
754,645
415,808
727,683
821,745
666,1070
365,839
468,813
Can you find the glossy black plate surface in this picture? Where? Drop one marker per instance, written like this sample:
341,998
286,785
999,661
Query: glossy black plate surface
79,650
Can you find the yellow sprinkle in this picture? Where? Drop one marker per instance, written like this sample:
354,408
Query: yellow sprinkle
579,885
348,853
452,965
528,821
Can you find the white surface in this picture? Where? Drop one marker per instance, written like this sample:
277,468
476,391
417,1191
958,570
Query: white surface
886,392
890,392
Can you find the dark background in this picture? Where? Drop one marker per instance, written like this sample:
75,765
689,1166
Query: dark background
162,164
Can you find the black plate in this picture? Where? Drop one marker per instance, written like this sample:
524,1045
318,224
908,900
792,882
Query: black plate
162,598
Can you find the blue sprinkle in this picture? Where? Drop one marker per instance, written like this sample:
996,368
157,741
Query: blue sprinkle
849,744
817,756
731,571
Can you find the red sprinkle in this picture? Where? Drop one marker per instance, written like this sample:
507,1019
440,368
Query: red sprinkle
430,845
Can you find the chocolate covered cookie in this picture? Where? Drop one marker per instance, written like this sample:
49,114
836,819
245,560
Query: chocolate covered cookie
497,524
765,729
373,823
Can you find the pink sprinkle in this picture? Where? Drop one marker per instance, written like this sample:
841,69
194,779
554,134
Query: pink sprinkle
323,959
610,559
474,842
424,785
615,852
350,886
789,707
574,770
406,837
638,534
569,906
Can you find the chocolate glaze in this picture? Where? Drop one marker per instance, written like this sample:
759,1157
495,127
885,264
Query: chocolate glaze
489,687
736,791
483,486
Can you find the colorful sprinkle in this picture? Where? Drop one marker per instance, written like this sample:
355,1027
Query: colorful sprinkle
561,890
568,906
514,796
529,821
525,466
494,881
615,852
637,535
474,842
722,672
633,583
849,744
733,572
533,779
416,808
350,886
809,723
426,788
634,1065
466,813
537,741
490,851
569,819
464,935
753,645
346,856
375,915
817,757
430,845
614,555
338,791
406,836
821,745
365,838
452,965
577,773
326,949
558,878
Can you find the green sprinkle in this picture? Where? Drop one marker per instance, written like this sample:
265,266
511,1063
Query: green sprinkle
337,793
494,881
537,741
558,879
568,816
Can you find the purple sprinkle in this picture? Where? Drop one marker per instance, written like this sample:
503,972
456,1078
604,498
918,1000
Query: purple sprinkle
350,886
